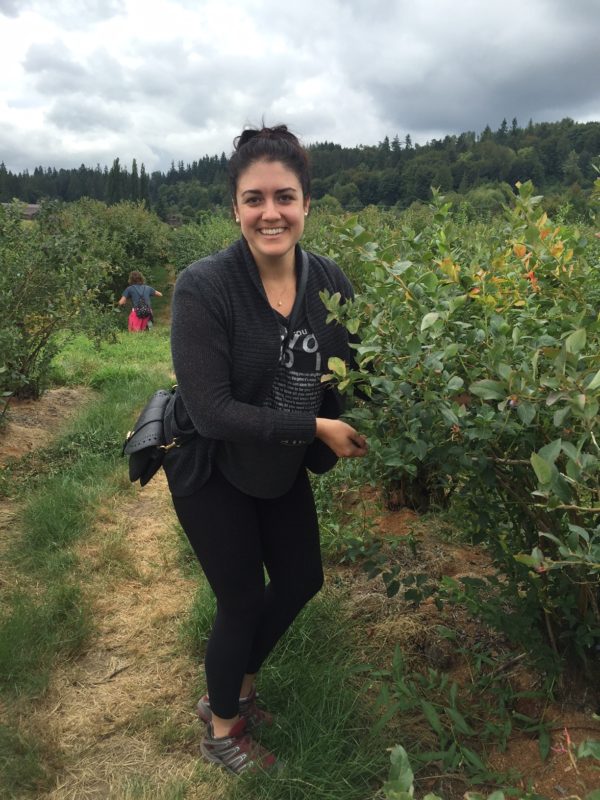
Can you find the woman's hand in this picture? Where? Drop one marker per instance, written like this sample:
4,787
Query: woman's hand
341,438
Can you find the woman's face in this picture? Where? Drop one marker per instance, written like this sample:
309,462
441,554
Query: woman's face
271,208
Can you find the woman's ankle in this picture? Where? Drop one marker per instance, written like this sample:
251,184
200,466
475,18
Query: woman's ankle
248,686
222,727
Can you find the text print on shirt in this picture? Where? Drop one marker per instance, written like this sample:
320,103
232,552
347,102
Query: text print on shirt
308,345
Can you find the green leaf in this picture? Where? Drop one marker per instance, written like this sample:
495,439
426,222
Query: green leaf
455,383
570,450
488,390
337,366
429,320
576,341
353,325
459,721
473,759
594,383
400,267
449,416
401,774
595,795
432,717
589,749
551,451
543,469
560,416
526,412
544,742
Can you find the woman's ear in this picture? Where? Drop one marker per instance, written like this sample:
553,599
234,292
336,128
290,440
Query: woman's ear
234,211
306,206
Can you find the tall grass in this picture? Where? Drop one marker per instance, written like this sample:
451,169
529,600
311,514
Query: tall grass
324,725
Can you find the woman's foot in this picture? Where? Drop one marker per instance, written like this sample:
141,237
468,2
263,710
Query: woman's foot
249,711
236,752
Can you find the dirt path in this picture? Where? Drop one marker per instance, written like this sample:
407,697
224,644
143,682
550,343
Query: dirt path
112,711
117,721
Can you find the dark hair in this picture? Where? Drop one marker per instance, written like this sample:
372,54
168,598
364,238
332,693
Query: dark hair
269,144
136,277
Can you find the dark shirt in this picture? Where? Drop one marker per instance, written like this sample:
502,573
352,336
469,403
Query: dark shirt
219,307
269,470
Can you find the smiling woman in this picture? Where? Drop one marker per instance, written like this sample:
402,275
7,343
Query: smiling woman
250,343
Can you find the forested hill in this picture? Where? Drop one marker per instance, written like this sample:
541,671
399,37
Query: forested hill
556,156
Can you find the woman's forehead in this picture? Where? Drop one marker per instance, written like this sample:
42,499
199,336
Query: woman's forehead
268,174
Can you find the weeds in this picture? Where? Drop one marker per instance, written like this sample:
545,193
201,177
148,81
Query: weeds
324,726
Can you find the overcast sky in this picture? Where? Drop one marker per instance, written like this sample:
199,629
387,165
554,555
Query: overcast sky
84,81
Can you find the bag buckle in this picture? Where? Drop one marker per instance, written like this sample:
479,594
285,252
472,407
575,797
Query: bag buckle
169,446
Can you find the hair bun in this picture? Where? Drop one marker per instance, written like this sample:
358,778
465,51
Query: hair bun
277,132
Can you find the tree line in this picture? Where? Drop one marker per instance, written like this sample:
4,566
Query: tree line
557,157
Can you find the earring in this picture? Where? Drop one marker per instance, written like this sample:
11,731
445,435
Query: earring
237,219
306,213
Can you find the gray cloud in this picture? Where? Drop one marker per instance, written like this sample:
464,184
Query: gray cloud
452,72
83,115
340,70
55,72
79,14
11,8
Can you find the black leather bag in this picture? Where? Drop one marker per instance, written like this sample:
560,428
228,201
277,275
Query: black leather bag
147,444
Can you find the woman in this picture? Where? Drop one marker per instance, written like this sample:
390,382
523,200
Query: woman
252,389
140,295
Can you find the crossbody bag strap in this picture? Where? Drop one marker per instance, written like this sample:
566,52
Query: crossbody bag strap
300,292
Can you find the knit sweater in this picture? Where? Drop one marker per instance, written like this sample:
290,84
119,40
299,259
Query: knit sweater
225,345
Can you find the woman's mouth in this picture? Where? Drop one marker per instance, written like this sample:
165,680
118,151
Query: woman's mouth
271,231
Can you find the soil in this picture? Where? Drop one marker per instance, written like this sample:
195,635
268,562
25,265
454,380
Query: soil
31,424
124,708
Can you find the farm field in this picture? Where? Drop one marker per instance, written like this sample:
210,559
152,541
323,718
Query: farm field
421,636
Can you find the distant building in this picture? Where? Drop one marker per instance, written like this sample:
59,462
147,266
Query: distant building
29,210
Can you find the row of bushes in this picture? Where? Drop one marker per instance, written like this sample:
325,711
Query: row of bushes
483,350
64,271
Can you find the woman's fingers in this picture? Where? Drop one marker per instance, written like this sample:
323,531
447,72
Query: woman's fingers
342,438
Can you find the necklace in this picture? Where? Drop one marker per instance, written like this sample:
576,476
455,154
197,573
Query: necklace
279,301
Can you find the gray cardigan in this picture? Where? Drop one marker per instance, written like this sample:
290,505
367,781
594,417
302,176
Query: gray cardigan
225,345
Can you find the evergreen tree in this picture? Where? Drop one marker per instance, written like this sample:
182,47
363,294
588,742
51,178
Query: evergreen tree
144,186
502,132
4,193
114,188
134,191
571,169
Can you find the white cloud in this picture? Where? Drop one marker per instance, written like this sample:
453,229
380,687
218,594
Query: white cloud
89,80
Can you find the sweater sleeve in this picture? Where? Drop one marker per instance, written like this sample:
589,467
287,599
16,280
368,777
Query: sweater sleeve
202,361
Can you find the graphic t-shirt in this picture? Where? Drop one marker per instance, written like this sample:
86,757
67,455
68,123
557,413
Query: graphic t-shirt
269,470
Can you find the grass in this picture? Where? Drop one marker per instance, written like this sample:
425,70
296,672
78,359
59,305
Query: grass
20,764
49,618
324,732
141,787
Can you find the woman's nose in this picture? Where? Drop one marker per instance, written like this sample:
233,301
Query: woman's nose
270,210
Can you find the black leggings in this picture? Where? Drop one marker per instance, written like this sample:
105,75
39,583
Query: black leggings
234,536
